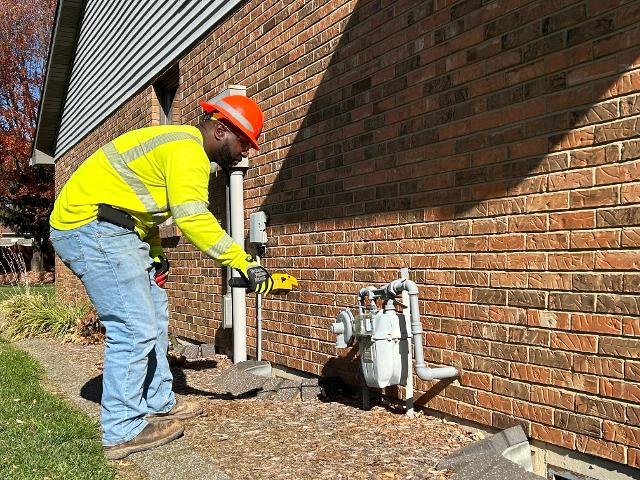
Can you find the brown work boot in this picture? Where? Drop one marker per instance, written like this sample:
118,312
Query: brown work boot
151,436
182,410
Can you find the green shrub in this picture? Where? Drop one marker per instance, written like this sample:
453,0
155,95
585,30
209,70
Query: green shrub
31,315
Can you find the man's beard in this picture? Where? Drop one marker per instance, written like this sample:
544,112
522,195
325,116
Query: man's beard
223,156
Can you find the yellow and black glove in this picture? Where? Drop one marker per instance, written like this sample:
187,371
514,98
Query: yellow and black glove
259,279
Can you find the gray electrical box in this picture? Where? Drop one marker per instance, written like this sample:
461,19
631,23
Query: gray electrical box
258,228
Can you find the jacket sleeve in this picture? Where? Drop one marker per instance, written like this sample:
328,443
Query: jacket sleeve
187,170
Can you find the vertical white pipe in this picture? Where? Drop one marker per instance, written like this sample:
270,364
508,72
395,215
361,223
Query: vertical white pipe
404,275
238,295
258,321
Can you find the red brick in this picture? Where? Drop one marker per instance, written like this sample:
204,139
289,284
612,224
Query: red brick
547,241
552,435
631,326
475,414
531,373
571,220
535,413
620,390
596,323
618,433
574,381
540,318
574,342
595,239
620,260
476,380
600,448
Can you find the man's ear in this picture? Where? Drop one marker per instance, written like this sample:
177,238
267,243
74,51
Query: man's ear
219,131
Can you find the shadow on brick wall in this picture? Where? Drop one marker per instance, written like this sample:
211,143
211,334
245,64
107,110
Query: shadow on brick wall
440,116
428,115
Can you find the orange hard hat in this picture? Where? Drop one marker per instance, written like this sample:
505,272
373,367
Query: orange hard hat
242,112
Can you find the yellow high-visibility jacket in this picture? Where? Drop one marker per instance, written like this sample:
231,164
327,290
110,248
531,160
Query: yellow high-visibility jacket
151,173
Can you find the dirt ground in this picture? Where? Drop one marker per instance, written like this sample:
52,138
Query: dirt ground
250,438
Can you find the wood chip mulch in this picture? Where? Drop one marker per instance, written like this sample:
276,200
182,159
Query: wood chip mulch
256,439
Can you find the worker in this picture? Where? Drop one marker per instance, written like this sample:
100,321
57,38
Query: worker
104,228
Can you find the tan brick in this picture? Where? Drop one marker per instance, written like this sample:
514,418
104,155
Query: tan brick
510,388
621,347
578,423
503,421
597,407
553,397
550,281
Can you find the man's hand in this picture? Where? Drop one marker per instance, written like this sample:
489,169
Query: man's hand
260,280
161,265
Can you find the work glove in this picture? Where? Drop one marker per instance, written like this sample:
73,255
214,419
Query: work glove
259,279
161,265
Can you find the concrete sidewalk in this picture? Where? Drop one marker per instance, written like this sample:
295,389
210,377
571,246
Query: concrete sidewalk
73,376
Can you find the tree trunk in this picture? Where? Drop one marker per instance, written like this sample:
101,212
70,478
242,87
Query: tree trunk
37,264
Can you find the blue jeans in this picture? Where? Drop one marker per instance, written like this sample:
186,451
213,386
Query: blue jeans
116,271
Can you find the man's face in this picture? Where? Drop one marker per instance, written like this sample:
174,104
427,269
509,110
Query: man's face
234,148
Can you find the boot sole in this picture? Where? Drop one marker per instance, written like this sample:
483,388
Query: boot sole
184,416
126,451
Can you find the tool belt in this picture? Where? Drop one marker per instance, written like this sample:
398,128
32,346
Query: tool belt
109,214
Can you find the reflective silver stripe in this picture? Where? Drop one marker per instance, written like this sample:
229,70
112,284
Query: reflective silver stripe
140,189
119,162
237,115
221,246
152,143
190,208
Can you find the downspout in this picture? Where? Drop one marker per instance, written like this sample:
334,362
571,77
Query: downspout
235,228
238,295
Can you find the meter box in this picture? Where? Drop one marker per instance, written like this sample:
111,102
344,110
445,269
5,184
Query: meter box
379,340
258,228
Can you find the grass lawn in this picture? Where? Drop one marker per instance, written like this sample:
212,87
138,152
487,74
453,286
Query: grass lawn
7,290
41,436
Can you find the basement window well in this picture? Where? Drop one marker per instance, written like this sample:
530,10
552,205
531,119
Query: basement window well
557,473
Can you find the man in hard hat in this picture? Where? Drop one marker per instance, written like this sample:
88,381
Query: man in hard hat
103,228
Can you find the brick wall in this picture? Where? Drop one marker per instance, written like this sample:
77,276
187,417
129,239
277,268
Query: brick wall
489,146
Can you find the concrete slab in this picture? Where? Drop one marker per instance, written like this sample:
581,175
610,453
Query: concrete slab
237,381
485,459
288,391
269,389
310,389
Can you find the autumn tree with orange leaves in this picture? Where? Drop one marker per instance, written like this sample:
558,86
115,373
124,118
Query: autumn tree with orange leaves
26,192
